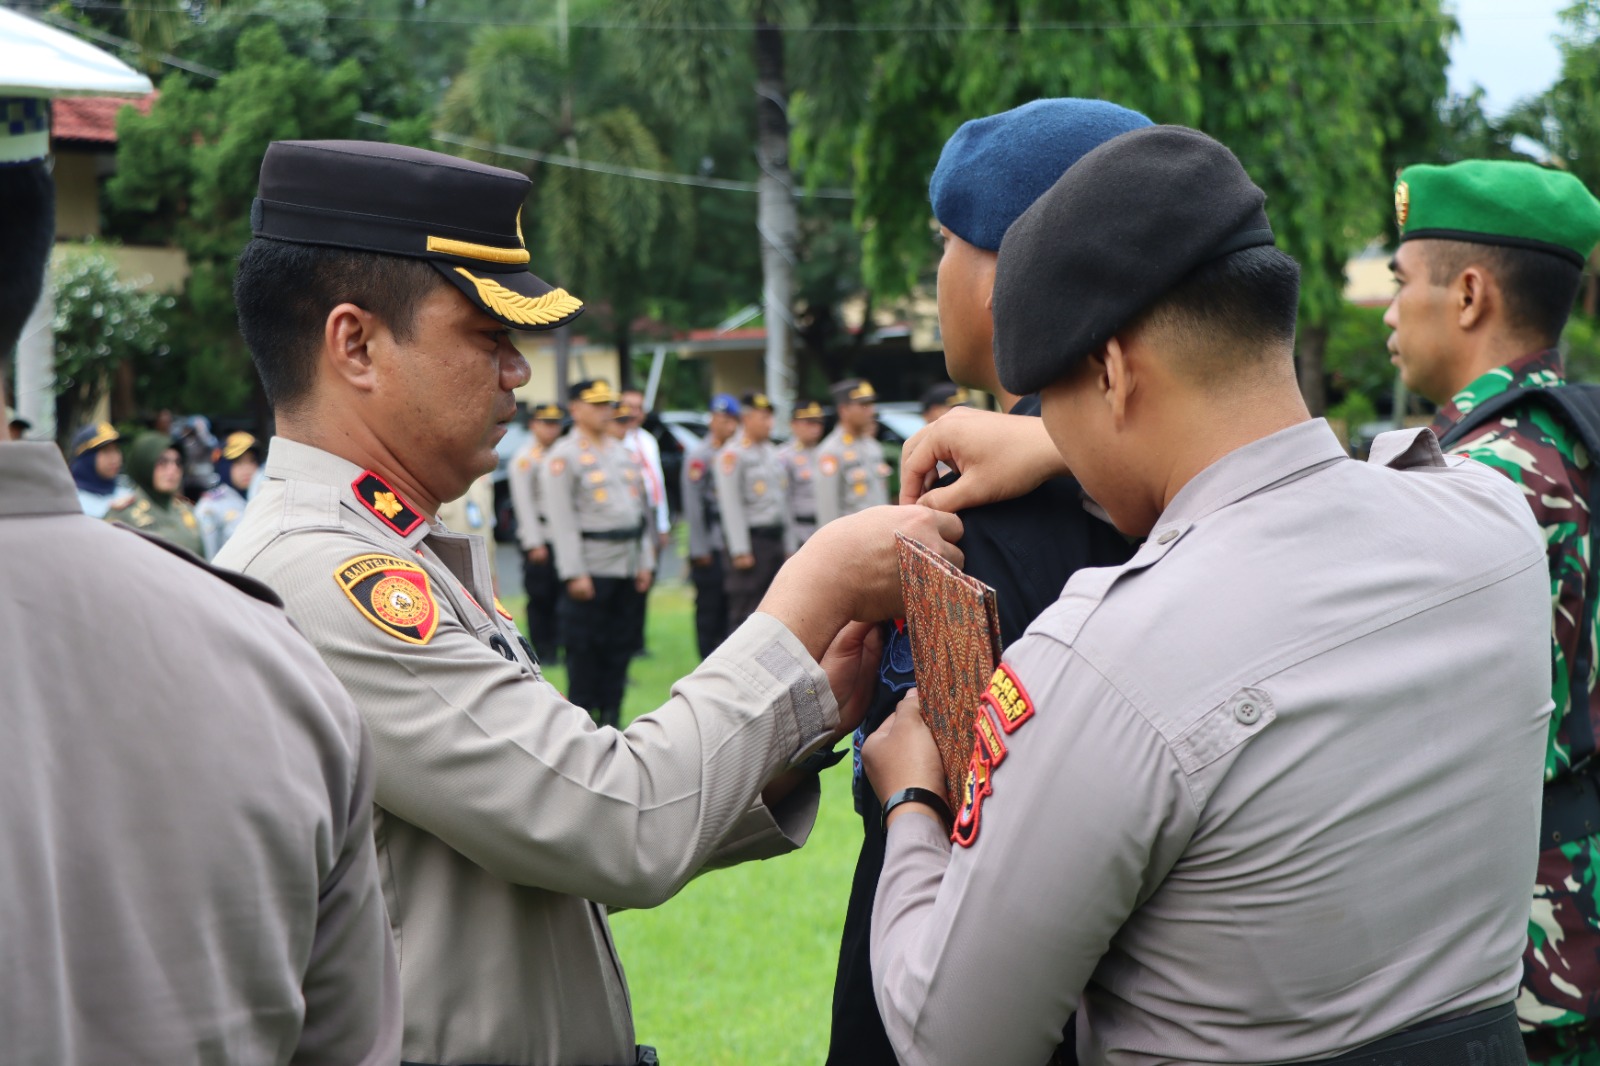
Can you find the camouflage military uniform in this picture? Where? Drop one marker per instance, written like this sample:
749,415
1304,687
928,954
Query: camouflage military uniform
1561,979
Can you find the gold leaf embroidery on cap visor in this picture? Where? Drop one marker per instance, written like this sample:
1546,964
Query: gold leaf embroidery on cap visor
487,252
553,306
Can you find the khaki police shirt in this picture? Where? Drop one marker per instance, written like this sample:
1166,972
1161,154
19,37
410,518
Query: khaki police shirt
595,487
752,492
187,871
700,500
503,810
524,482
801,465
851,475
1269,791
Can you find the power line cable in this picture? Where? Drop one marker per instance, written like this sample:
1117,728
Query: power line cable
1042,25
509,150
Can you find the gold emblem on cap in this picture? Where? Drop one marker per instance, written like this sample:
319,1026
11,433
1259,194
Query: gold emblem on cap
1402,203
553,306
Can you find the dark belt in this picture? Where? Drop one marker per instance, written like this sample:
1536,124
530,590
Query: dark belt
614,534
1571,808
767,532
808,519
1485,1038
644,1055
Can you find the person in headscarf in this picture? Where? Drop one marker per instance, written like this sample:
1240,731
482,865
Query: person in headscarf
96,464
156,508
222,505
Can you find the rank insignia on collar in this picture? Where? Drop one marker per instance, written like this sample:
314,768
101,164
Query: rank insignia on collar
379,497
392,594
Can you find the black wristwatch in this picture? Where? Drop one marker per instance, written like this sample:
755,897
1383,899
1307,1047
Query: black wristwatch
925,796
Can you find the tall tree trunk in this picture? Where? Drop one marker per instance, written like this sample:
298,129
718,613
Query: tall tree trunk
1309,349
775,218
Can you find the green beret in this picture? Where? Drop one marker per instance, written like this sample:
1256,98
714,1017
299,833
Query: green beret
1519,205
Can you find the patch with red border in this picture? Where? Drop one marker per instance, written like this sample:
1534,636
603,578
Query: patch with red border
392,594
829,465
729,461
697,469
379,497
1001,712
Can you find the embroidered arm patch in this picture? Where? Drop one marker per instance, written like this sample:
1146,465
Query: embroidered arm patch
392,594
1007,703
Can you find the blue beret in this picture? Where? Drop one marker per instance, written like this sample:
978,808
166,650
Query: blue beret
994,168
724,404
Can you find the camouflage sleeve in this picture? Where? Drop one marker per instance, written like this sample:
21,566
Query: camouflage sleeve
1539,454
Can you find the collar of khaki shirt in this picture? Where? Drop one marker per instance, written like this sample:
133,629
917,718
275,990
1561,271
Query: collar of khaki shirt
1284,456
290,460
36,481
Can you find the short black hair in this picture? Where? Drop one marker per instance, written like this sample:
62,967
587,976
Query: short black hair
283,293
1244,304
1539,287
28,221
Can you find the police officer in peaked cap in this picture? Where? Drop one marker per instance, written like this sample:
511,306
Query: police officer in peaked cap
377,298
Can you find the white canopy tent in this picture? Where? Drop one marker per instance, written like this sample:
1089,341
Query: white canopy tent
40,61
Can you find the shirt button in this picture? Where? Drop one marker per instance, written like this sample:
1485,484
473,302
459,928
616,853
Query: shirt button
1247,712
1168,537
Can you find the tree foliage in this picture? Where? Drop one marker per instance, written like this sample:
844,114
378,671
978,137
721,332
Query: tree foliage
187,173
1278,87
101,324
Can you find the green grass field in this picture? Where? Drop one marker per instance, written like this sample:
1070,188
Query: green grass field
738,968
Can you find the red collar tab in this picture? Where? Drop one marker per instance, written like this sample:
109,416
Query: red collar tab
379,497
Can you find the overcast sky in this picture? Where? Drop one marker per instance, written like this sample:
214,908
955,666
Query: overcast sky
1505,46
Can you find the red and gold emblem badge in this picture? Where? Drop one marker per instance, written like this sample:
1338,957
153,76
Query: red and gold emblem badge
392,594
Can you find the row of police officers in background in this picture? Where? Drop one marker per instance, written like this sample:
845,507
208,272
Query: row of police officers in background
587,508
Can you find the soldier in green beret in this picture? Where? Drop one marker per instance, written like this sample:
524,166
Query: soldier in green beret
1488,267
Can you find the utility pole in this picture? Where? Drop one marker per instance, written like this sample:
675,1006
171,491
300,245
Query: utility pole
776,217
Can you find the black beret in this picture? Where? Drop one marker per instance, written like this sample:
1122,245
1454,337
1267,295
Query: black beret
464,218
1119,230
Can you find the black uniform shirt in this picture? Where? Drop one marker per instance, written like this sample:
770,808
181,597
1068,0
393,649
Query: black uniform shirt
1026,549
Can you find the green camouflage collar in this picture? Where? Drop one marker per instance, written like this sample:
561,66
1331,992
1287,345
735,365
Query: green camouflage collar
1536,370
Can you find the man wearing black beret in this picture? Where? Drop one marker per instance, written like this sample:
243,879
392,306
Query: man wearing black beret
377,299
1210,805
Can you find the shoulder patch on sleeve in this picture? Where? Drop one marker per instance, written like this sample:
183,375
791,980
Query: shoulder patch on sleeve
697,469
1009,699
557,466
392,594
379,497
729,461
829,465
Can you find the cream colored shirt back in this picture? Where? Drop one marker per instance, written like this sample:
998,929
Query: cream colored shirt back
1270,790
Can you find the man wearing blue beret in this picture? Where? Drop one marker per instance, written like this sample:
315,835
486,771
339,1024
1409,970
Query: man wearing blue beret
990,172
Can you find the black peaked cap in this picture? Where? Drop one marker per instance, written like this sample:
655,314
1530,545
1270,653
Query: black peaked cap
464,218
1121,228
